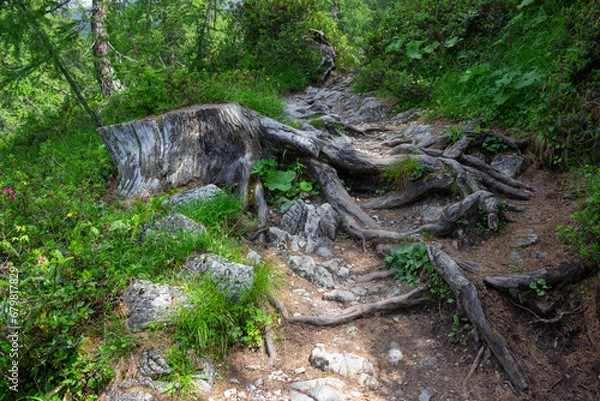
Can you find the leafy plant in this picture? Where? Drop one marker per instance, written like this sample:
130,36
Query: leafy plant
286,185
540,287
459,330
403,170
411,263
493,144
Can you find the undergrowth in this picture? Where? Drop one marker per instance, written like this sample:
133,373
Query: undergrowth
68,250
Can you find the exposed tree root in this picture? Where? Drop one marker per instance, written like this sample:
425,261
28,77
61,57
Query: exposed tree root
474,366
553,276
270,347
466,292
415,297
375,276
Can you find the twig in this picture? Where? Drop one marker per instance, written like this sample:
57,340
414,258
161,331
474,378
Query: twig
555,383
474,366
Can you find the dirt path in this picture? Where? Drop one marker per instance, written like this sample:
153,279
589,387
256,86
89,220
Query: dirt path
412,356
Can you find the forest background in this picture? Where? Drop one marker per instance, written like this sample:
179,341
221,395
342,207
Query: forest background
529,67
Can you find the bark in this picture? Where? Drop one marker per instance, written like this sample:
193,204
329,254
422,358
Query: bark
553,276
466,292
413,298
105,73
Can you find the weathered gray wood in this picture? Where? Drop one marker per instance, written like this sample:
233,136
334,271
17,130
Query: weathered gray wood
413,298
466,292
553,276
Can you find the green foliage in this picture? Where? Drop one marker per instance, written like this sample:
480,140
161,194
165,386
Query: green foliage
159,90
531,66
406,169
411,264
286,185
584,234
459,330
456,134
276,36
74,250
215,321
493,144
540,287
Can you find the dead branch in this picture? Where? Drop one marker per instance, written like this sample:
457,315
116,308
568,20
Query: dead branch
413,298
474,366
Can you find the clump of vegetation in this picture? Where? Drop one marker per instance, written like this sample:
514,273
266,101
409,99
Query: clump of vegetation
285,185
404,171
584,235
412,266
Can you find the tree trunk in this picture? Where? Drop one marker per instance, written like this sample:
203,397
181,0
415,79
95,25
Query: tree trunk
105,73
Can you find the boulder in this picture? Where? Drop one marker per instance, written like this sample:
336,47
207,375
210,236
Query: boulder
200,194
233,278
148,302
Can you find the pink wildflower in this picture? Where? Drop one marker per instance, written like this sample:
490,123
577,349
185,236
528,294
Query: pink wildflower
41,260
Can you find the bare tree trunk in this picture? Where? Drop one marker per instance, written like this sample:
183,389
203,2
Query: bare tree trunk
105,74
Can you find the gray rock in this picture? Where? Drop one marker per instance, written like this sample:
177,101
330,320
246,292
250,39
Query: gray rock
321,226
539,254
348,365
426,394
279,237
234,278
254,257
324,252
153,365
148,302
304,266
173,225
371,110
206,377
294,220
515,257
135,395
325,393
200,194
524,240
311,384
511,165
297,396
323,278
419,133
395,356
358,290
334,265
339,296
406,116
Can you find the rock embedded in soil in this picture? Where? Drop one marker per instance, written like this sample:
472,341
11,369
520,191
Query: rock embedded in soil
511,165
148,302
339,296
173,225
153,365
135,395
200,194
524,240
348,365
305,267
233,278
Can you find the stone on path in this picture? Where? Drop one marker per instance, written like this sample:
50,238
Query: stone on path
348,365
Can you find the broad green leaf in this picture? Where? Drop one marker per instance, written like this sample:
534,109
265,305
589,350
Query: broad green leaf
412,49
524,3
501,98
527,79
280,180
395,46
117,225
429,49
452,42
